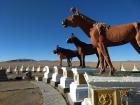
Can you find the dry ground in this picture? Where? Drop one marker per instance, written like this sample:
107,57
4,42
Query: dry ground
19,93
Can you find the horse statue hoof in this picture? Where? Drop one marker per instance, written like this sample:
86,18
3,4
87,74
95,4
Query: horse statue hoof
111,73
83,66
80,65
101,72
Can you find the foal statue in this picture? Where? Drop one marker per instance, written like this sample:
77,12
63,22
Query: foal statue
66,54
83,49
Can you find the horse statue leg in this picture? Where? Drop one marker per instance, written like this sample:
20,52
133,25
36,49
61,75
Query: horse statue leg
97,66
102,48
69,62
106,56
79,57
106,65
83,61
101,61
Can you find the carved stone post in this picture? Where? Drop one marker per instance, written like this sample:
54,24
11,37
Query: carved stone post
58,73
78,88
65,80
48,74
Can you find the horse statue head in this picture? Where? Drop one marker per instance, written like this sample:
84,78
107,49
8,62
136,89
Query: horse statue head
73,20
77,19
56,50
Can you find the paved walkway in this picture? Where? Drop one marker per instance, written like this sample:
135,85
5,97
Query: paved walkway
51,95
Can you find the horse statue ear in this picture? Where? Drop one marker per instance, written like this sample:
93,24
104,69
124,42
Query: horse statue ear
57,46
74,11
72,34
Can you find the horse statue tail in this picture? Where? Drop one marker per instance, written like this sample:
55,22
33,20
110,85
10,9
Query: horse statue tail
136,42
139,26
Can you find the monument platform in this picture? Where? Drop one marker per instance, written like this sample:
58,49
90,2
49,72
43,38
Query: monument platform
121,89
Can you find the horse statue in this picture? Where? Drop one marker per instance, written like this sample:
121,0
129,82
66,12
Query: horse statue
103,36
66,54
83,49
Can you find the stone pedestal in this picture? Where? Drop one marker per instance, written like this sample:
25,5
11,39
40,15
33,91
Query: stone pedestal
86,102
45,68
65,80
15,69
48,74
27,69
22,69
117,90
58,73
9,70
33,69
77,93
78,88
38,69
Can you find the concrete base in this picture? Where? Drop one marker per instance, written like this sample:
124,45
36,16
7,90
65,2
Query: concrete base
71,101
65,82
54,84
56,77
47,80
47,75
63,90
86,102
115,90
78,92
134,98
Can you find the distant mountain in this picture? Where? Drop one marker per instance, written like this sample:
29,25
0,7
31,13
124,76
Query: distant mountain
20,60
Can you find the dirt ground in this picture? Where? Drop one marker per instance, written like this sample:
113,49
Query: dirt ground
20,93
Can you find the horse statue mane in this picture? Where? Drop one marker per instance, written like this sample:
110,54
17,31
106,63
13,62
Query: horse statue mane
87,18
76,12
98,24
61,49
73,36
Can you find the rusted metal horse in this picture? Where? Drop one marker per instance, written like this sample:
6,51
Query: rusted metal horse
103,36
66,54
83,49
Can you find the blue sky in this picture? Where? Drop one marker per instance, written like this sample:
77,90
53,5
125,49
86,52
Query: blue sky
32,28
